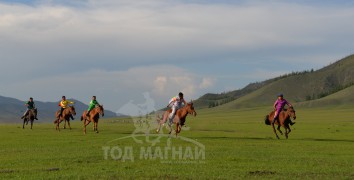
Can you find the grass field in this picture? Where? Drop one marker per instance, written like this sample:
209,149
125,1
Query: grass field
237,146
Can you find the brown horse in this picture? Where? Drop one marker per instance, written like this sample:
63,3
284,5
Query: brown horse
283,120
179,119
29,117
65,116
94,116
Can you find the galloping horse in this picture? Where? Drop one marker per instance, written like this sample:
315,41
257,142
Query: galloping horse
179,119
283,120
65,116
94,116
29,117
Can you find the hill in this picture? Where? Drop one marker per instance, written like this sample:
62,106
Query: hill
12,109
341,98
298,87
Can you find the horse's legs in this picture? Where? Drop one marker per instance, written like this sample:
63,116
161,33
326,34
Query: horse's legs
177,125
170,126
281,133
65,123
158,129
275,132
32,123
85,124
24,120
96,126
288,130
179,128
69,124
58,123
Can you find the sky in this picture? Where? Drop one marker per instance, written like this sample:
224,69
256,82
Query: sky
120,50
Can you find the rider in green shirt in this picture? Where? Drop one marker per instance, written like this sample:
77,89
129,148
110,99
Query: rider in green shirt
30,105
92,105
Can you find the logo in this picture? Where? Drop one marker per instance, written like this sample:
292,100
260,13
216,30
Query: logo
146,144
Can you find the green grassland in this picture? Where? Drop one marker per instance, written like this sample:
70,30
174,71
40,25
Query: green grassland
238,145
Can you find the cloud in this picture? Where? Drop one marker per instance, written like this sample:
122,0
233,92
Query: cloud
114,88
160,83
115,48
206,83
160,31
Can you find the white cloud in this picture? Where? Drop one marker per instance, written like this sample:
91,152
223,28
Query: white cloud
50,49
160,83
114,88
206,83
160,29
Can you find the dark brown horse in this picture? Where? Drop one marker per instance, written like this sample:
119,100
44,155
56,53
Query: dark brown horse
65,116
29,117
282,121
94,116
179,119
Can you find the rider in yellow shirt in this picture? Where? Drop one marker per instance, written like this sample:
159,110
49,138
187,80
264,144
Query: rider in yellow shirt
63,105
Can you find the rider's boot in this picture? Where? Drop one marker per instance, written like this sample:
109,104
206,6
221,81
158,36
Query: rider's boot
275,119
88,113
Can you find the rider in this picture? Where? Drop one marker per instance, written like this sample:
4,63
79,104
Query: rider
176,104
30,105
92,105
279,106
63,105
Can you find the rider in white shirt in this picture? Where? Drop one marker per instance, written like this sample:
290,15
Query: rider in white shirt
176,103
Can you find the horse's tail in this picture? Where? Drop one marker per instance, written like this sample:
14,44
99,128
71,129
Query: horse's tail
266,120
82,118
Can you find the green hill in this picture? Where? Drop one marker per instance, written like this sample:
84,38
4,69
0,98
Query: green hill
297,87
342,98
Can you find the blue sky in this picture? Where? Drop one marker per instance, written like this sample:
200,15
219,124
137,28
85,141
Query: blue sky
119,49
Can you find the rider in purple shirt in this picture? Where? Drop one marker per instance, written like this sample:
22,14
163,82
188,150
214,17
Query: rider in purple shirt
279,106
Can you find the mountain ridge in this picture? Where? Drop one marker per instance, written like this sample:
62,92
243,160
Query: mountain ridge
305,86
11,110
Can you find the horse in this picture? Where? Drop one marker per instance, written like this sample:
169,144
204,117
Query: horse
65,116
94,116
179,119
283,120
29,117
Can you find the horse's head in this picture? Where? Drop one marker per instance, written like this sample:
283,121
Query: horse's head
190,109
72,110
101,110
291,112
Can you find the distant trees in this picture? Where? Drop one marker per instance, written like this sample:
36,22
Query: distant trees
333,90
220,102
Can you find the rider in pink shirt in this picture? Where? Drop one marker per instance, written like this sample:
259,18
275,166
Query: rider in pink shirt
279,106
